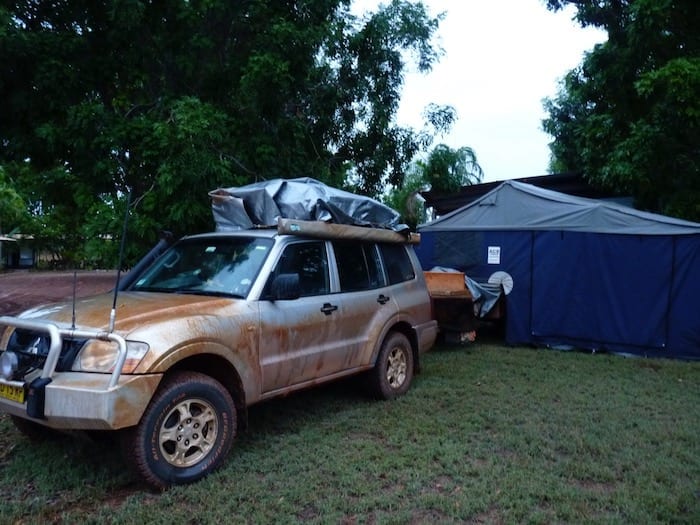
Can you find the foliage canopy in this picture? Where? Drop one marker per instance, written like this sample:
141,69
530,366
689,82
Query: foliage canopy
629,116
445,170
168,100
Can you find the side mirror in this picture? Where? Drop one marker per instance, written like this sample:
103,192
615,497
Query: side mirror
285,286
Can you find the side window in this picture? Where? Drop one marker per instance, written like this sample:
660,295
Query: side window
397,263
358,266
309,260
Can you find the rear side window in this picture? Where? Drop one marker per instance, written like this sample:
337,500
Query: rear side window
397,263
358,266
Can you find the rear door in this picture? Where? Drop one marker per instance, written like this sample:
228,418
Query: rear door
366,302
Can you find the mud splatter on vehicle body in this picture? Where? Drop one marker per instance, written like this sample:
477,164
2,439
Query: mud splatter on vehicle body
217,323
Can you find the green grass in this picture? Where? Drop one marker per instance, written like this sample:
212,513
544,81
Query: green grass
487,434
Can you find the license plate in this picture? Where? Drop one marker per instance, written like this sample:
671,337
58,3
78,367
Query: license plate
11,392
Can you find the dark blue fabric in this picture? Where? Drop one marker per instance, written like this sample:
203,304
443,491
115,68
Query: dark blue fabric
443,248
515,259
684,310
604,292
635,294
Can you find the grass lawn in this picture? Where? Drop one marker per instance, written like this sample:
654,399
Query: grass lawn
487,434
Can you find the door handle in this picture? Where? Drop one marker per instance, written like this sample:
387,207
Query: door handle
382,299
328,308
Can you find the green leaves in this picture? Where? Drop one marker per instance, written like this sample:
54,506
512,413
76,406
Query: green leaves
448,169
167,101
444,171
629,116
12,208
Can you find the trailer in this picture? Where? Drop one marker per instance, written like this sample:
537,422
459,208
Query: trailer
458,304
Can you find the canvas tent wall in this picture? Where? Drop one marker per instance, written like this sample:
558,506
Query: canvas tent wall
585,273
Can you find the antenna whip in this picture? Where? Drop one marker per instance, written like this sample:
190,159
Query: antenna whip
75,279
113,313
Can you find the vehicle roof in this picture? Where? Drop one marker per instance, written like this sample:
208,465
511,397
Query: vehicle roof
267,233
299,229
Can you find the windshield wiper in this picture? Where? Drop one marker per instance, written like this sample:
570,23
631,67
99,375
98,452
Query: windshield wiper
212,293
152,289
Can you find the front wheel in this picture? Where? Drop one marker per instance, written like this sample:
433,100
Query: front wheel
185,433
393,372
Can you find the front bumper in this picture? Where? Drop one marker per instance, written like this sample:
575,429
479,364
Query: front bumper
84,401
78,400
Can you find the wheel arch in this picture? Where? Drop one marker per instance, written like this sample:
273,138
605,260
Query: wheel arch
406,329
222,371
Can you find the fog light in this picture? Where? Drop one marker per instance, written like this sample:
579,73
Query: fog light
9,362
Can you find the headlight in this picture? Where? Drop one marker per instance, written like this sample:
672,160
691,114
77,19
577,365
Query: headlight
8,365
101,356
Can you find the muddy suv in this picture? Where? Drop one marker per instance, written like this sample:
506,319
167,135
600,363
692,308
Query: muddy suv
218,323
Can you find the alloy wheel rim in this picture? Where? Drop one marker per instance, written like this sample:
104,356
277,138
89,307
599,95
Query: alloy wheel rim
396,369
188,433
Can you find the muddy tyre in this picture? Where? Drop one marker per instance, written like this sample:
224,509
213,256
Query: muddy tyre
393,372
185,433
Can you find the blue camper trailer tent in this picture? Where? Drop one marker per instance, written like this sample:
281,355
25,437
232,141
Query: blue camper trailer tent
585,273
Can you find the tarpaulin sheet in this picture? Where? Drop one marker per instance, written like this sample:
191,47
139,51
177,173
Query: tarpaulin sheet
484,294
263,203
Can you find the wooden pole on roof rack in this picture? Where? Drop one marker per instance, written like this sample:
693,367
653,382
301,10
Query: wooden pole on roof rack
325,230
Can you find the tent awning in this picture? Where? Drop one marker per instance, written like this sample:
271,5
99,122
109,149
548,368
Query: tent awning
515,206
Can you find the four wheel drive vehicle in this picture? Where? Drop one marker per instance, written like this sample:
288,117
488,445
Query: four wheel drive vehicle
217,323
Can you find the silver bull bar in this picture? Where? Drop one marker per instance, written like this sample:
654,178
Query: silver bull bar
57,334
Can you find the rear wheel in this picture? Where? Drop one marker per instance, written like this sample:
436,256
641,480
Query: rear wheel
185,433
393,372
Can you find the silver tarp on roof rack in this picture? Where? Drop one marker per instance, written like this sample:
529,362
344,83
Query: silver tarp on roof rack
263,203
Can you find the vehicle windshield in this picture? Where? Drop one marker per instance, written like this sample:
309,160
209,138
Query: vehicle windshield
225,266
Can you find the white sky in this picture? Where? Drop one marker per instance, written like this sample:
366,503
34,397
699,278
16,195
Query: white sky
502,58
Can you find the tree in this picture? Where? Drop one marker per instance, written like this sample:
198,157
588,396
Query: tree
12,210
629,116
445,170
407,199
12,207
165,101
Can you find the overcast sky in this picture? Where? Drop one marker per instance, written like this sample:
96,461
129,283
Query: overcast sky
502,58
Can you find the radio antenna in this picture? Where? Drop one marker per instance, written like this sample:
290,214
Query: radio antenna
113,313
75,279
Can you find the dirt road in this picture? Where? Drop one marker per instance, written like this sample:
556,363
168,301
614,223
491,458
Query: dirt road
23,289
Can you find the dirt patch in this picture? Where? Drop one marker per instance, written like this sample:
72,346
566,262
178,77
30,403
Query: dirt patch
24,289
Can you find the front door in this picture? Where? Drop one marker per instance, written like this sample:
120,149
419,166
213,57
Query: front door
296,333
